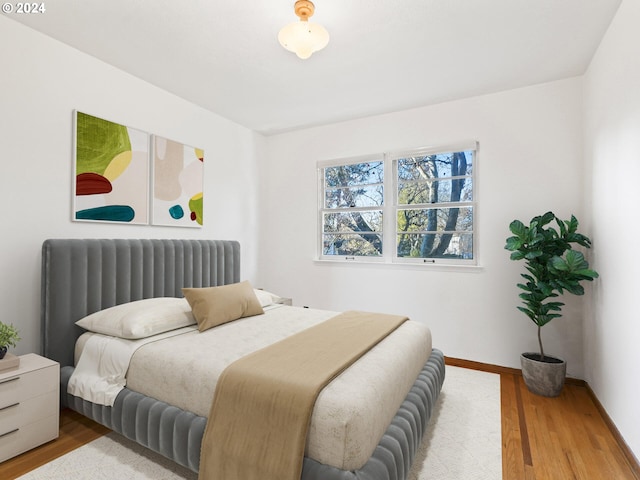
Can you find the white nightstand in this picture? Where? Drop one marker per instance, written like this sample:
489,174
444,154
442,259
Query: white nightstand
29,405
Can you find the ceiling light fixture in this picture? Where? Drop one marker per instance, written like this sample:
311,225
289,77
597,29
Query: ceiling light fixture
303,38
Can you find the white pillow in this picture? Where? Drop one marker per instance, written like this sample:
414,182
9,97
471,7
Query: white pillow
265,298
140,319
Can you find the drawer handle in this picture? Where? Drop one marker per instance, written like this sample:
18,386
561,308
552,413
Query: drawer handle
9,433
9,406
10,380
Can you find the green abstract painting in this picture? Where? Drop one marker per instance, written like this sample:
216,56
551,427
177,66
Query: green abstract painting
111,172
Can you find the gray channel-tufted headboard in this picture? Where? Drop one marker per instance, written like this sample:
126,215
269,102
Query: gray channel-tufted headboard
82,276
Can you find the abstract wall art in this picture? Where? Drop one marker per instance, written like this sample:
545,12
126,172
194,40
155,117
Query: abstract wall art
111,172
177,186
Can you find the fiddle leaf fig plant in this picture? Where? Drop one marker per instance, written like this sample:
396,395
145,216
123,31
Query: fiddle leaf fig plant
552,264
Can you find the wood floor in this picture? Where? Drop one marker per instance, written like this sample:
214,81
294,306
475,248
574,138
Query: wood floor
567,437
542,438
558,438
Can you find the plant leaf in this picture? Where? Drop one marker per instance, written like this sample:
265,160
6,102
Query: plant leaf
517,255
518,228
514,243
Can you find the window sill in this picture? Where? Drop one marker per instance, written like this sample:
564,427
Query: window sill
403,265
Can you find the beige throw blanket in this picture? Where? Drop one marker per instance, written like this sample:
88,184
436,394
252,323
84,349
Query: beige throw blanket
260,414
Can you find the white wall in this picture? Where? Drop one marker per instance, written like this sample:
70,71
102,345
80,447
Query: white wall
41,83
612,146
529,161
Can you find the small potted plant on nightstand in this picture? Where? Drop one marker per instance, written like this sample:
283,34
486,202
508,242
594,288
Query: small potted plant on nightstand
553,267
8,338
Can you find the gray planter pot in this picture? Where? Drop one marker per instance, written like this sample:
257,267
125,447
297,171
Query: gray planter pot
544,378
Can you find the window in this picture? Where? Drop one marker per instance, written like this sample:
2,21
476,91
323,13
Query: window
424,200
434,205
351,214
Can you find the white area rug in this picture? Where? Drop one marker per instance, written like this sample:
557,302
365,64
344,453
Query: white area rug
464,438
463,442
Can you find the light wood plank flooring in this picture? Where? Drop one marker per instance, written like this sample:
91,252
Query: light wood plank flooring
558,438
542,438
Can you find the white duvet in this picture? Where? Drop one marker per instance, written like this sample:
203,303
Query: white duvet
350,414
101,368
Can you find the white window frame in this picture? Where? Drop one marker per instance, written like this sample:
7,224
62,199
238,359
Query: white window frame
321,208
390,207
393,157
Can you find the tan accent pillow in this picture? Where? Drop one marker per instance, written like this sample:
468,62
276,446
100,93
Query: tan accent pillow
214,306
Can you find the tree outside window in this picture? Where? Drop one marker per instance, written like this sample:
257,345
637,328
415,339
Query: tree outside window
435,205
352,213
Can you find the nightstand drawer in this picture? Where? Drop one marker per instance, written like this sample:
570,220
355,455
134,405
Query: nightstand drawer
28,384
28,411
29,405
28,437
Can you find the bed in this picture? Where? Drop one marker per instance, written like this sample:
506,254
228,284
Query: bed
83,276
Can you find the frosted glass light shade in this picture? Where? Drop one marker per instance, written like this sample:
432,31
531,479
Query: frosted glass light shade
303,38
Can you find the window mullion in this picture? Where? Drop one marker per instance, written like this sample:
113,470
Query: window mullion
434,205
353,209
389,214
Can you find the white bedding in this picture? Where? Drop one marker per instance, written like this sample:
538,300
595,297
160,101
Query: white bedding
351,413
102,362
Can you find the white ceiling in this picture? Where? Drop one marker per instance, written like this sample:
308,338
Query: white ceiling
383,56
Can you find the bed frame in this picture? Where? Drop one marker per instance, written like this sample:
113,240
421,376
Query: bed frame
82,276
